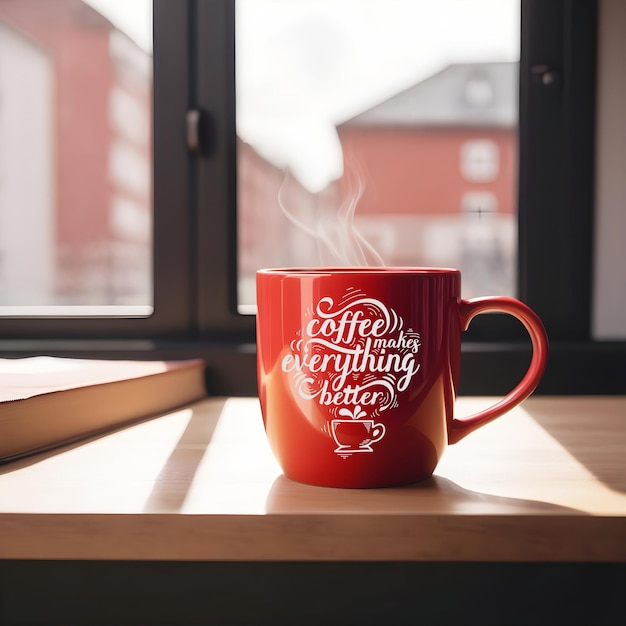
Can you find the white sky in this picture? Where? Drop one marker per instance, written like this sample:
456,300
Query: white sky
134,17
356,51
304,66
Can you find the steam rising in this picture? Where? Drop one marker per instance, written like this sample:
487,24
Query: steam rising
332,227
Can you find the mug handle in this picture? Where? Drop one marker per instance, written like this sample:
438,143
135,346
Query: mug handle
468,309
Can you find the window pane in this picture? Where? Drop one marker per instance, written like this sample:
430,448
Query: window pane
378,132
75,156
609,279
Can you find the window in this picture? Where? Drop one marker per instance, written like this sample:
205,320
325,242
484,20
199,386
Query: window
479,161
75,161
479,202
76,173
195,231
359,125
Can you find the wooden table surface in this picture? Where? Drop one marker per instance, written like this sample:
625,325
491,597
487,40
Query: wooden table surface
546,482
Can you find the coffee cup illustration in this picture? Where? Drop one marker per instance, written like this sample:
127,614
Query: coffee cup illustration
355,434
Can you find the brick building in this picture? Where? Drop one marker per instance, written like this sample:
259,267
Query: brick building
75,157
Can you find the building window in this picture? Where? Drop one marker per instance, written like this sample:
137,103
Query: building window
479,161
479,203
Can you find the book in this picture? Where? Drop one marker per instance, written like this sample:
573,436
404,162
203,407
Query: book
47,402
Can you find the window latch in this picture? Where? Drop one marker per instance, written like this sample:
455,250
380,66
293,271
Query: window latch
192,123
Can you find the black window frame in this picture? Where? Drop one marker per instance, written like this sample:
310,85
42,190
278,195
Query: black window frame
195,199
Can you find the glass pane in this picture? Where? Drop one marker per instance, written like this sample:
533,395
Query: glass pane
75,156
378,132
609,279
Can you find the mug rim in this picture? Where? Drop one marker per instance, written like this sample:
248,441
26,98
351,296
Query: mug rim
358,270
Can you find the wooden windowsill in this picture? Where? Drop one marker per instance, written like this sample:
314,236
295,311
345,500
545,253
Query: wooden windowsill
547,482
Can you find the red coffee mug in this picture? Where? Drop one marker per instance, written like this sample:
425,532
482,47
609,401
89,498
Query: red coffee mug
358,370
